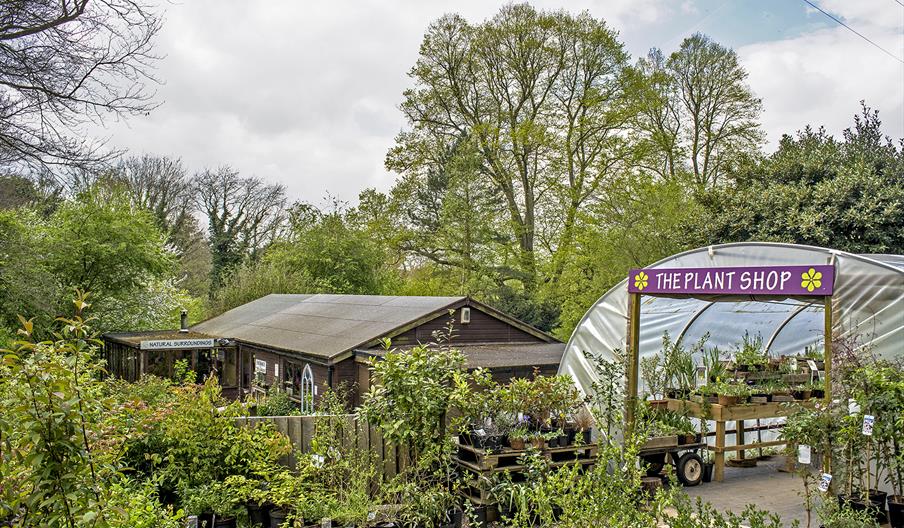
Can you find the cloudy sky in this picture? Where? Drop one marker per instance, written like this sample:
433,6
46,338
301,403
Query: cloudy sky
307,93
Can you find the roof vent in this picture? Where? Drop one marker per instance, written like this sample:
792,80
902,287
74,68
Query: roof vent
183,321
466,315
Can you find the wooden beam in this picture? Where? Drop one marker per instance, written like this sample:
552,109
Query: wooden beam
633,355
827,459
828,348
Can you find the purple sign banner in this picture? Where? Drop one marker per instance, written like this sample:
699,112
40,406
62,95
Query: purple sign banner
765,280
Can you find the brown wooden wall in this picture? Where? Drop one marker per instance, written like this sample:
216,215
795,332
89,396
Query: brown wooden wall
483,328
274,358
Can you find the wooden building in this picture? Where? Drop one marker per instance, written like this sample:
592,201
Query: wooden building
130,355
307,343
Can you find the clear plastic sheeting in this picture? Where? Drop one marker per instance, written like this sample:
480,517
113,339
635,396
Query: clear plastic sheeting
868,309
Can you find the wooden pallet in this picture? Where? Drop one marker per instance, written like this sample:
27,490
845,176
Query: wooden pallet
479,465
481,460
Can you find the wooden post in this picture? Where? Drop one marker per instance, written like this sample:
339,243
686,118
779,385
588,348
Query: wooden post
633,355
827,457
828,348
719,456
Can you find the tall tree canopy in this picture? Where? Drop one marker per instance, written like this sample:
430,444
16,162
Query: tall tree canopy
846,194
699,115
105,245
243,216
64,63
537,99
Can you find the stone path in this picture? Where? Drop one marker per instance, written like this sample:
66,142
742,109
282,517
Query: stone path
763,485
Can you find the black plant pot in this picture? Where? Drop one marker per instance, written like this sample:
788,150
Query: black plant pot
277,517
572,434
493,442
259,514
896,511
563,440
857,503
227,522
465,439
452,519
553,442
587,435
708,471
167,496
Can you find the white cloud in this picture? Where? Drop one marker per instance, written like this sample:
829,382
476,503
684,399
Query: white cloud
306,93
819,78
302,93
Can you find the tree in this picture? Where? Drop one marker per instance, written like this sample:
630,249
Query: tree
26,285
107,247
161,185
243,216
540,96
65,63
641,220
40,192
817,190
450,220
334,255
702,113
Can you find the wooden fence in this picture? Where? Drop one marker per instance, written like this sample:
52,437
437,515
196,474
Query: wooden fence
357,434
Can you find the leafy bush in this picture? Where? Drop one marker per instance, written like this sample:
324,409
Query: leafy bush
277,403
412,398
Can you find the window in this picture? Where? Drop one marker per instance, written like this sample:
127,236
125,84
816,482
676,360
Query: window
307,391
230,375
260,371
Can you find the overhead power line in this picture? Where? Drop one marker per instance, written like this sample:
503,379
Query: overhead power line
854,31
900,3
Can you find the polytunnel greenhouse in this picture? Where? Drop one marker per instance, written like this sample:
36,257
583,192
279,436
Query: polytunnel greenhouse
867,307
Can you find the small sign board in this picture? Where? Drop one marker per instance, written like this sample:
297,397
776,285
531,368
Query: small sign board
824,482
868,422
815,280
176,344
260,366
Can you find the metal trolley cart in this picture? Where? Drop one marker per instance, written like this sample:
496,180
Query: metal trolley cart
658,452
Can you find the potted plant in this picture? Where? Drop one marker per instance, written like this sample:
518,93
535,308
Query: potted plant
732,393
654,376
679,366
583,422
714,364
518,436
817,388
253,493
802,393
282,494
749,356
213,504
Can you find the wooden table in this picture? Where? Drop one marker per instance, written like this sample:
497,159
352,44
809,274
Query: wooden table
738,414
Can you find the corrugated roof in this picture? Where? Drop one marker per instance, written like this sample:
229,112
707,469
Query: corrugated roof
321,325
504,354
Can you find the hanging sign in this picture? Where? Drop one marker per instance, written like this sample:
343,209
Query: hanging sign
764,280
176,344
803,454
824,482
868,421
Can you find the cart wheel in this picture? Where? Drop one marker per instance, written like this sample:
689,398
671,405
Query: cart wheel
655,463
654,469
690,469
